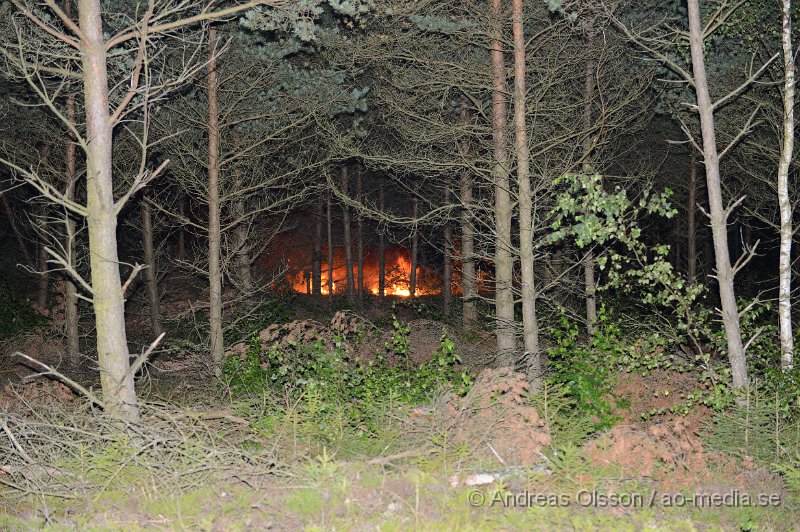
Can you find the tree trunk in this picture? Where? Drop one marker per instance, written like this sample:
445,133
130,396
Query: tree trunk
243,260
503,208
719,216
14,229
381,248
181,251
691,223
348,244
412,277
447,260
316,259
150,274
214,236
469,311
360,237
590,284
330,250
42,283
71,316
530,324
784,201
119,393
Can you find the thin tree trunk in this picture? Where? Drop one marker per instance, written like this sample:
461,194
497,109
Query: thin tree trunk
412,278
530,324
71,317
15,229
447,258
590,284
42,283
330,250
316,259
719,216
214,236
360,237
348,244
150,276
503,208
243,260
469,311
119,393
691,223
181,251
381,248
784,202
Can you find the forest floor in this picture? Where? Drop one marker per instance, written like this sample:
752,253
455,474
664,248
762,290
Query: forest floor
203,459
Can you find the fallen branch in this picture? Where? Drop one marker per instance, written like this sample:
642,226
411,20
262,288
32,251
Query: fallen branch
69,382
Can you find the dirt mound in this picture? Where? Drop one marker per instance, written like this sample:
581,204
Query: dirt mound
495,420
656,394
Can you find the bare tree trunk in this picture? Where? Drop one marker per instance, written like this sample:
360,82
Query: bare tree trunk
503,208
181,251
71,317
330,250
784,201
381,248
590,284
14,229
316,259
348,244
412,278
150,274
719,217
360,237
447,265
119,393
243,260
42,283
530,324
214,236
469,311
691,223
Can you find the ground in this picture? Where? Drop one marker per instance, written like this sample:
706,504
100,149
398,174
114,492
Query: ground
205,459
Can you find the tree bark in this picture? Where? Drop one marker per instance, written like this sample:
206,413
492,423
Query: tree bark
784,201
243,260
316,259
530,324
181,251
381,247
360,237
71,316
330,250
589,281
150,274
719,216
469,310
42,282
214,236
412,277
691,223
503,208
447,259
119,394
348,243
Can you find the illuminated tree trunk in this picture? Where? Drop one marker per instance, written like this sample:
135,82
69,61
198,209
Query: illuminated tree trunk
42,282
381,247
691,223
119,394
360,237
316,259
243,260
469,311
214,236
71,316
150,277
330,250
503,208
589,282
447,258
530,324
784,201
412,278
348,244
719,216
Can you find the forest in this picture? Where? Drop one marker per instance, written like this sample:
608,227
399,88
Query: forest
392,264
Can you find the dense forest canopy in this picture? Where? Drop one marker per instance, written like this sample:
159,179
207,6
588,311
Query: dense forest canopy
570,189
